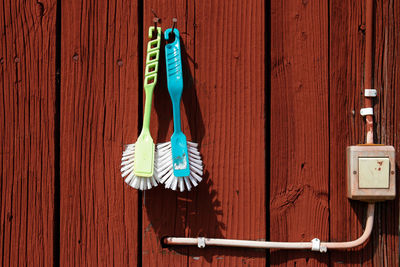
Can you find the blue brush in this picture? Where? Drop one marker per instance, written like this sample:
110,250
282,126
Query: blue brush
178,162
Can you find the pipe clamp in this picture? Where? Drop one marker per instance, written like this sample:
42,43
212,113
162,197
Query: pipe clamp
201,242
366,111
316,246
370,92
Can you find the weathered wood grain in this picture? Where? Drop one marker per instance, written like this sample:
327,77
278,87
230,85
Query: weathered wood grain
99,114
223,110
299,180
27,97
230,86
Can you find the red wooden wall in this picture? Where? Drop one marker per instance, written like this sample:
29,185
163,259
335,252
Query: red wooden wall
272,95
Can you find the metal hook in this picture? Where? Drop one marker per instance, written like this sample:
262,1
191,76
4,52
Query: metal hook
155,20
174,21
154,13
171,35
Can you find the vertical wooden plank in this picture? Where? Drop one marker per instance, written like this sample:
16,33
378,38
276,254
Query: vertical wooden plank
347,43
230,87
223,110
99,104
347,20
27,97
299,128
386,78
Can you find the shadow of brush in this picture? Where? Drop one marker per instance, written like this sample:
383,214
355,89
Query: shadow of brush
163,106
162,102
190,99
171,213
204,220
181,214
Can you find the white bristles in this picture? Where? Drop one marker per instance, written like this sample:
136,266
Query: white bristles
192,144
129,149
127,170
188,185
194,181
174,184
165,171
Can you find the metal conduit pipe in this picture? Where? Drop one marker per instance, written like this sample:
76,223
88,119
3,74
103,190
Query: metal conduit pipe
314,245
369,119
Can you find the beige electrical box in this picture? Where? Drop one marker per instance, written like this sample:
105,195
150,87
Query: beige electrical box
371,174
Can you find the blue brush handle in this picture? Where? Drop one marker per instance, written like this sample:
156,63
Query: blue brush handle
173,60
174,76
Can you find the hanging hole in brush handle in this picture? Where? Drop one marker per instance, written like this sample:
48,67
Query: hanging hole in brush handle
171,36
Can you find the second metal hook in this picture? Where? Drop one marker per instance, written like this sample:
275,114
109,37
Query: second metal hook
171,36
174,21
155,20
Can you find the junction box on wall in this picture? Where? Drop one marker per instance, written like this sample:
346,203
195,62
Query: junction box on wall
371,174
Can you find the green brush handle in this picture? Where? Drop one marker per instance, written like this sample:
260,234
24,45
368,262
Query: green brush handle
147,107
150,77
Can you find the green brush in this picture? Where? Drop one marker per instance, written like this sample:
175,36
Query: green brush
138,159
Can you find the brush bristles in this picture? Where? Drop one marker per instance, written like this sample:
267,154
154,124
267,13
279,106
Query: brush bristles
127,166
165,171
